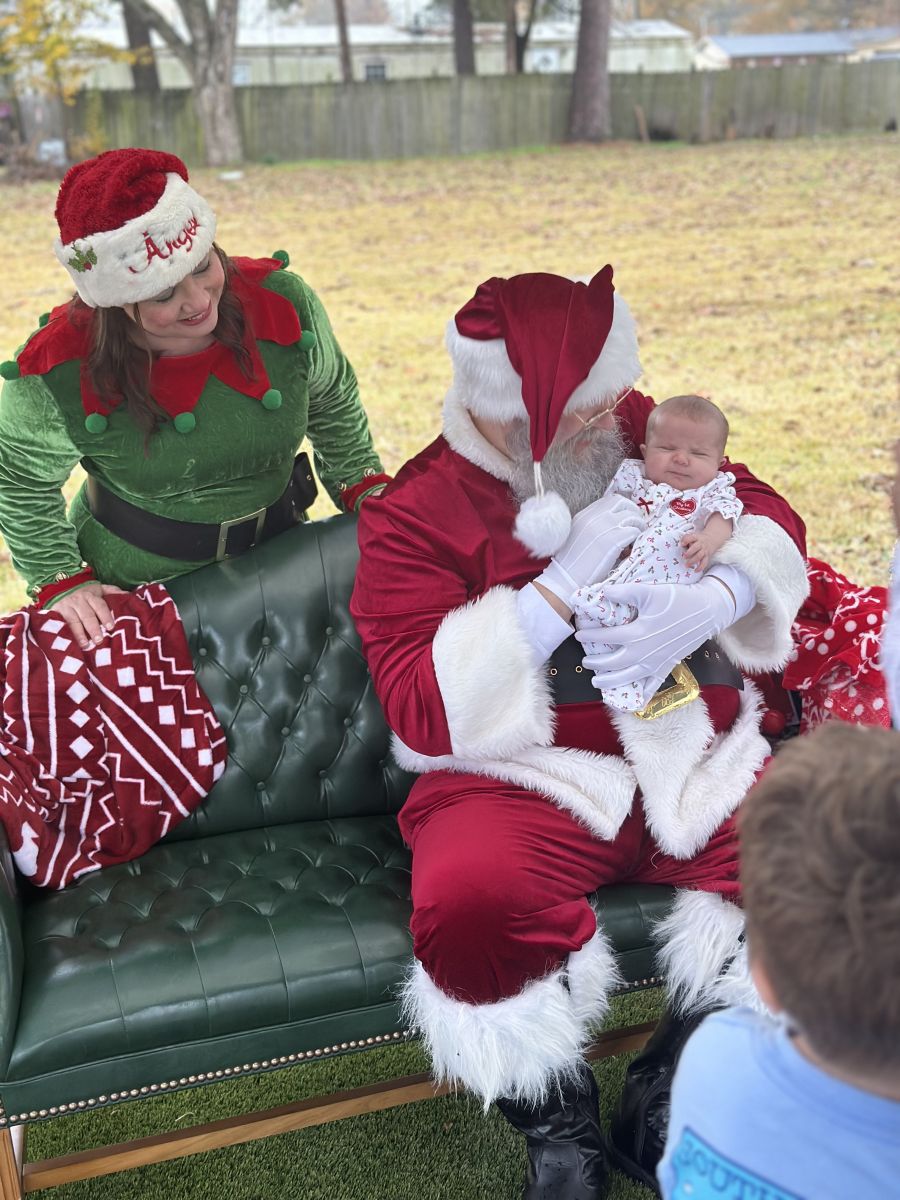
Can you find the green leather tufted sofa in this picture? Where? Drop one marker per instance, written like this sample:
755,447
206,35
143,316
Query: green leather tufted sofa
271,926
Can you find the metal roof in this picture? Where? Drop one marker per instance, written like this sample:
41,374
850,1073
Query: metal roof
783,45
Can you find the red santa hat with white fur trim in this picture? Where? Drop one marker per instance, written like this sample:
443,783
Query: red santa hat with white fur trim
130,226
538,346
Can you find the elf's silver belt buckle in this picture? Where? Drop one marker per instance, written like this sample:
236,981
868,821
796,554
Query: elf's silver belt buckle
222,545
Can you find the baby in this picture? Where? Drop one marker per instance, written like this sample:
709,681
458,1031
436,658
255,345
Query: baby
690,508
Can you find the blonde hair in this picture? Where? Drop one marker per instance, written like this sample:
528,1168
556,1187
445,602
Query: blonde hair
695,408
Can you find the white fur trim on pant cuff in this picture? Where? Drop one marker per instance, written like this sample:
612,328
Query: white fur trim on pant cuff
520,1047
597,789
701,954
761,641
496,700
691,779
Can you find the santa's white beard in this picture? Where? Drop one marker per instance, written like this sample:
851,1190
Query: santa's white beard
579,470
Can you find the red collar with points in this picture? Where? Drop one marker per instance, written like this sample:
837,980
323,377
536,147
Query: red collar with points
177,382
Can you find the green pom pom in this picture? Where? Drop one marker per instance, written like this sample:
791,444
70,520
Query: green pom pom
307,340
9,369
95,423
271,399
283,257
185,422
43,319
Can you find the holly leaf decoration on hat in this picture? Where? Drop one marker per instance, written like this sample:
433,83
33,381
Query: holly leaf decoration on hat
83,260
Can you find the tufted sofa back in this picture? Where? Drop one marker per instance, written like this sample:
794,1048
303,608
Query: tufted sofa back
278,656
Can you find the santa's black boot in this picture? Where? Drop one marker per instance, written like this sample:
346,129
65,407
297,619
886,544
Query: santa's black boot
566,1148
639,1127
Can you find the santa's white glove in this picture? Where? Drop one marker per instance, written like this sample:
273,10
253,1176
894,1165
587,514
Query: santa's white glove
672,620
598,536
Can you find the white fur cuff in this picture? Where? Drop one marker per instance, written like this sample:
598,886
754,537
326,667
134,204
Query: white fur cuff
496,700
520,1047
761,641
702,955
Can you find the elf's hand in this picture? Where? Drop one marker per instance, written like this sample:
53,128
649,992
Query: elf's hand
86,612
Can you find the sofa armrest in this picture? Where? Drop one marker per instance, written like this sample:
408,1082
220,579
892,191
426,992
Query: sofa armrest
12,954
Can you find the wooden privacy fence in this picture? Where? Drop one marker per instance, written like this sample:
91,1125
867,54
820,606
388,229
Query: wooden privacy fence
464,115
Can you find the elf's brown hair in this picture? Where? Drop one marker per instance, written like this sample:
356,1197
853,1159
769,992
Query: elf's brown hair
820,865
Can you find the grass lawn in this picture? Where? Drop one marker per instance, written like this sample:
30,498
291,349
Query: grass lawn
763,274
436,1150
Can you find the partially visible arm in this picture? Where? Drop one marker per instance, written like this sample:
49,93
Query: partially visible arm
890,638
761,500
450,659
338,425
701,544
36,459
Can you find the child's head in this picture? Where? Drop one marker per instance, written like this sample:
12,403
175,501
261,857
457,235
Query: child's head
820,864
686,438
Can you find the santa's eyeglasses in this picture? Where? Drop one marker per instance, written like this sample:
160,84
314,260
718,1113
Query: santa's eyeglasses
591,422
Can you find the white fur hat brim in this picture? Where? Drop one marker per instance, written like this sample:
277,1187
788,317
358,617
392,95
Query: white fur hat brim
488,386
147,255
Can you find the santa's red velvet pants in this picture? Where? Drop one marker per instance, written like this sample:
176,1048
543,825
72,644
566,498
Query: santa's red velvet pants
501,874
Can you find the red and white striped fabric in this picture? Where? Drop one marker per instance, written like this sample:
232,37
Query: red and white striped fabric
102,751
834,665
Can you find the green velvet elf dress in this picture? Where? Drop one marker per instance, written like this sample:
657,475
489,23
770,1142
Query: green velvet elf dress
228,449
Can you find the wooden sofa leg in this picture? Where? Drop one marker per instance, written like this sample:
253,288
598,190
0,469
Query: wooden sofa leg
10,1164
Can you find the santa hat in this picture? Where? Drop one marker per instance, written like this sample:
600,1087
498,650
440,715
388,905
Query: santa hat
130,226
537,346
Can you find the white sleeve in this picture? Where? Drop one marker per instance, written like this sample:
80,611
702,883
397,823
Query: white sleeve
740,586
544,628
719,496
627,479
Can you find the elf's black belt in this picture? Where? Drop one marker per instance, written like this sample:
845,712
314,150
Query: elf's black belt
571,683
199,541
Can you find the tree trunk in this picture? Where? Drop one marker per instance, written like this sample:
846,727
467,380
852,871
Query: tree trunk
144,73
340,12
217,114
511,32
209,60
589,110
463,38
522,38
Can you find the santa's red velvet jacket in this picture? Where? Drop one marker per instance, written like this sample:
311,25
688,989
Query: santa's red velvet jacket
435,605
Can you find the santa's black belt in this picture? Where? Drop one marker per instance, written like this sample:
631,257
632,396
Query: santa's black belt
199,541
571,681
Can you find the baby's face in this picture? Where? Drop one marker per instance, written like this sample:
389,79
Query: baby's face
682,452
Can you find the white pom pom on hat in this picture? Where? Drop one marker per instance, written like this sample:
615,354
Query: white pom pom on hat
543,524
535,346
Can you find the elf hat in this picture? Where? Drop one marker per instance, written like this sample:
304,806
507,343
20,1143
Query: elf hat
130,226
538,346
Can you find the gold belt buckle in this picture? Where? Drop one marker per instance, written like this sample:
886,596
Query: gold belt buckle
685,689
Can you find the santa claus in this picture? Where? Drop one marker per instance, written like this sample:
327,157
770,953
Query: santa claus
531,792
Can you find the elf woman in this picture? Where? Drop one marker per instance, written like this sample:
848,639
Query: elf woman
183,381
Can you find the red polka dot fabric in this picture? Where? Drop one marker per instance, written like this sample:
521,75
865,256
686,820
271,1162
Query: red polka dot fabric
834,665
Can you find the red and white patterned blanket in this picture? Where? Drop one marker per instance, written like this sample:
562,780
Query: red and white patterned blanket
102,751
